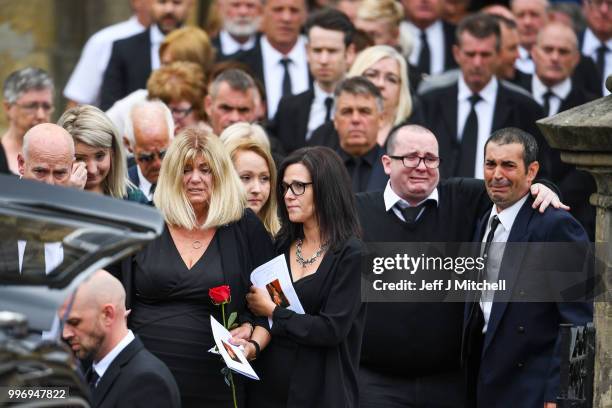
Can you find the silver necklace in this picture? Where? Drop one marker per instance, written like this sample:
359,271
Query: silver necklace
305,262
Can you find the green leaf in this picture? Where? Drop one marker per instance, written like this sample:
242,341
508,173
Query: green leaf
231,320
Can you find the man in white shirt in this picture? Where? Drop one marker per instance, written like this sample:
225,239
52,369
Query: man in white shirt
84,84
241,20
530,17
279,56
149,128
124,373
597,38
134,58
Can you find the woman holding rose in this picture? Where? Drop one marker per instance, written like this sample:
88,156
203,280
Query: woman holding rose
211,240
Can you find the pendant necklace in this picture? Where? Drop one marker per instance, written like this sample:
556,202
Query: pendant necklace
305,262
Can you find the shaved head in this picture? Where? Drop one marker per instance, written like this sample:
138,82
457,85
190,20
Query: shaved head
48,137
100,289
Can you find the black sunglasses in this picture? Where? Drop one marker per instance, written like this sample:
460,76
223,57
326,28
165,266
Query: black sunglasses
149,157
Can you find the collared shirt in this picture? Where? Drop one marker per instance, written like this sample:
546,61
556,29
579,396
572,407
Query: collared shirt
589,48
318,110
274,71
54,255
496,252
143,184
484,110
524,63
86,79
560,92
392,201
101,366
157,37
230,46
435,39
367,161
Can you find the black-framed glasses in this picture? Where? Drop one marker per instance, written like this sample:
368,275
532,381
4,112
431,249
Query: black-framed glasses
33,107
297,188
181,113
413,161
149,157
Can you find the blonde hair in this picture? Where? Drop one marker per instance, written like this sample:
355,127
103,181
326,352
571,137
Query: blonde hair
189,44
241,137
371,56
227,197
89,125
381,9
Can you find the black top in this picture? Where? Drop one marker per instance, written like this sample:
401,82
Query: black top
313,358
4,168
365,171
429,333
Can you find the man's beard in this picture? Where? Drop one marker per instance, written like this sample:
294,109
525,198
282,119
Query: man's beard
242,29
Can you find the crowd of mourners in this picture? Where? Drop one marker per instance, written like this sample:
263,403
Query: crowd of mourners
308,128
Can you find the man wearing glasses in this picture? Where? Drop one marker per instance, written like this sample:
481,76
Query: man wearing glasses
416,206
148,130
28,101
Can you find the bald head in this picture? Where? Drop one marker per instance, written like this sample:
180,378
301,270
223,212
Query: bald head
47,155
96,321
555,54
530,17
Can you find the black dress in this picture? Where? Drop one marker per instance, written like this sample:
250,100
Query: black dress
171,313
312,359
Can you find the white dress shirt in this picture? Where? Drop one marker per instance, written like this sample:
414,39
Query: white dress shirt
101,366
54,255
484,111
435,39
392,200
524,63
143,184
157,37
560,92
318,109
274,71
230,46
496,251
86,79
589,48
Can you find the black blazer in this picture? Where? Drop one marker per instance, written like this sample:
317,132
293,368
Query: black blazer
136,378
587,71
438,112
128,69
519,361
290,123
449,40
133,175
328,340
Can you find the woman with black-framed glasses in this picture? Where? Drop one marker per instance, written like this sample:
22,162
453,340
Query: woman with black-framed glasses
312,358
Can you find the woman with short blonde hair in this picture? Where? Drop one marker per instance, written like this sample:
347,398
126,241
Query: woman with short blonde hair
210,240
249,149
98,144
387,69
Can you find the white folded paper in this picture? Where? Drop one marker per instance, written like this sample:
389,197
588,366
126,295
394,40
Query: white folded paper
232,355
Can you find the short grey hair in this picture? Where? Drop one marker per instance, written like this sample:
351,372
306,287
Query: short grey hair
24,80
360,85
149,105
237,79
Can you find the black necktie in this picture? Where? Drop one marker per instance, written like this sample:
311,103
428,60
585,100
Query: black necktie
329,104
411,213
92,380
601,60
152,189
356,174
546,106
469,140
33,264
424,63
494,224
287,77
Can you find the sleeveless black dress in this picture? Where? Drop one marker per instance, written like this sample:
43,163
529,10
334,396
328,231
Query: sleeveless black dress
171,314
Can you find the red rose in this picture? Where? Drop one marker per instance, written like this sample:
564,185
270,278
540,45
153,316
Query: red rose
220,295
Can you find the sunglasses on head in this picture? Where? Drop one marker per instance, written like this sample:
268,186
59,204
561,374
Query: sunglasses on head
149,157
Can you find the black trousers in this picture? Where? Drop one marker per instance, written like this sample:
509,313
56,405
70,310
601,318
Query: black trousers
381,390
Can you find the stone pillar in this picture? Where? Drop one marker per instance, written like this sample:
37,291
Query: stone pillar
584,137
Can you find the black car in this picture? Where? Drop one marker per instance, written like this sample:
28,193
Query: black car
81,232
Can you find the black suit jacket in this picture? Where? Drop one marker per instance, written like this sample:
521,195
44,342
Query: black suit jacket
449,41
136,378
519,361
438,112
576,186
128,69
587,71
290,123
